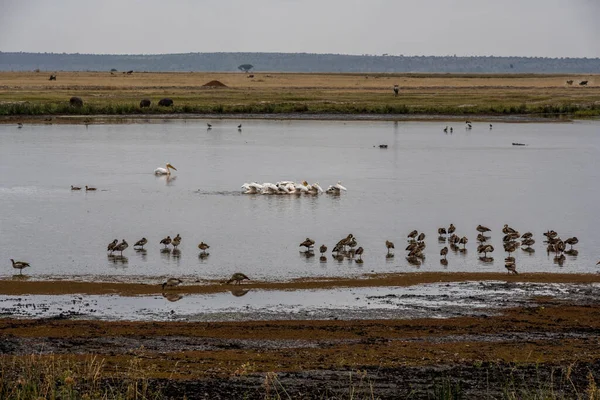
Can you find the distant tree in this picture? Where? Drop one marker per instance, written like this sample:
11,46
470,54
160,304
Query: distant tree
245,67
113,70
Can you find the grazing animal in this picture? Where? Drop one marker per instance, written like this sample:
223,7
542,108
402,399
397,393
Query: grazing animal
130,72
76,101
583,83
141,242
383,146
171,282
19,265
75,187
166,241
396,90
570,82
389,246
145,103
52,78
441,231
203,246
111,245
89,188
166,102
237,278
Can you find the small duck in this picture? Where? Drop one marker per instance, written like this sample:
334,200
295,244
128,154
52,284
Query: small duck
89,188
75,187
203,246
176,241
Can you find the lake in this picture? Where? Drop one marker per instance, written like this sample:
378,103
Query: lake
425,179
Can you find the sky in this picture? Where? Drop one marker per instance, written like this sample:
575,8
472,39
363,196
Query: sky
530,28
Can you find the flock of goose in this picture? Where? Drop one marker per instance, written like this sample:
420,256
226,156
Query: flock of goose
290,187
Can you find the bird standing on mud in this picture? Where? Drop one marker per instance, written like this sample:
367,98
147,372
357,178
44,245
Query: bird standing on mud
19,265
171,282
237,278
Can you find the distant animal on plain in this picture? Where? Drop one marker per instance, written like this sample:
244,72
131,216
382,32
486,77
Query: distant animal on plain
166,102
130,72
145,103
570,82
76,101
396,90
52,78
583,83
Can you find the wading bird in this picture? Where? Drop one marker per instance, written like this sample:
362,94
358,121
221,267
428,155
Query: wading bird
323,249
237,278
389,246
203,246
166,241
141,242
308,243
444,252
111,245
164,171
176,241
19,265
121,246
171,282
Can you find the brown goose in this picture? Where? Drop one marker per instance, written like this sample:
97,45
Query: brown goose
141,243
176,241
359,252
121,246
75,187
203,246
308,243
483,229
572,241
171,282
527,235
323,249
412,235
111,245
481,238
444,252
19,265
89,188
166,241
421,237
237,278
507,229
451,229
389,245
412,260
511,267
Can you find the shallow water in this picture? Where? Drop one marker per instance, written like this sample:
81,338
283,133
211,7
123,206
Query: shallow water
424,180
438,300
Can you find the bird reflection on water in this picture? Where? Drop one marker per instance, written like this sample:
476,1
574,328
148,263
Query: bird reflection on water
239,292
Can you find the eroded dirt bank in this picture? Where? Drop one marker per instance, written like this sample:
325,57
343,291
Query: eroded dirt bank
547,342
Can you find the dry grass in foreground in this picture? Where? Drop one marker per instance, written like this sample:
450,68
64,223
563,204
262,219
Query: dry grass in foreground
28,93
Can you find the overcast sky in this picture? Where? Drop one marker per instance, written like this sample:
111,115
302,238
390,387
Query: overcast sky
545,28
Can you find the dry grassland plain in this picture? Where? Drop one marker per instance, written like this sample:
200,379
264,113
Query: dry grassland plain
30,94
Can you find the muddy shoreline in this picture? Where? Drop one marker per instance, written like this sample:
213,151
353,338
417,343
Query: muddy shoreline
165,118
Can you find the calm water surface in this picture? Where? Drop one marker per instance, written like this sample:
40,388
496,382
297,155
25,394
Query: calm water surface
424,180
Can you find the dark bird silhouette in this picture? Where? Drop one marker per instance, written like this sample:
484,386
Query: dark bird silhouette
483,229
89,188
203,246
237,278
413,234
389,246
141,243
75,187
359,252
121,246
209,126
166,241
111,245
421,237
19,265
451,229
511,267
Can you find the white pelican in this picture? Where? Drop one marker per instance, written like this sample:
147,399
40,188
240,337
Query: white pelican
248,188
339,186
164,171
316,186
336,189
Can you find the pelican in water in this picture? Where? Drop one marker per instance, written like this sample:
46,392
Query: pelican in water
19,265
89,188
164,171
141,243
171,282
75,187
237,278
111,245
337,188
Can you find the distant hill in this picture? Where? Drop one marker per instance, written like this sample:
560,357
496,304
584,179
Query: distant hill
294,62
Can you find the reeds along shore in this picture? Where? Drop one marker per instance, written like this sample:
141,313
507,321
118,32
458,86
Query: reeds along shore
30,94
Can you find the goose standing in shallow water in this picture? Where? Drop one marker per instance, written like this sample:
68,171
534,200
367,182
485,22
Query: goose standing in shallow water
237,278
19,265
176,241
444,252
308,243
164,171
111,245
141,243
389,245
203,246
121,246
166,241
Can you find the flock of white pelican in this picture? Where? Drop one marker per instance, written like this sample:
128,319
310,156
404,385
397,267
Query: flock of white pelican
290,187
